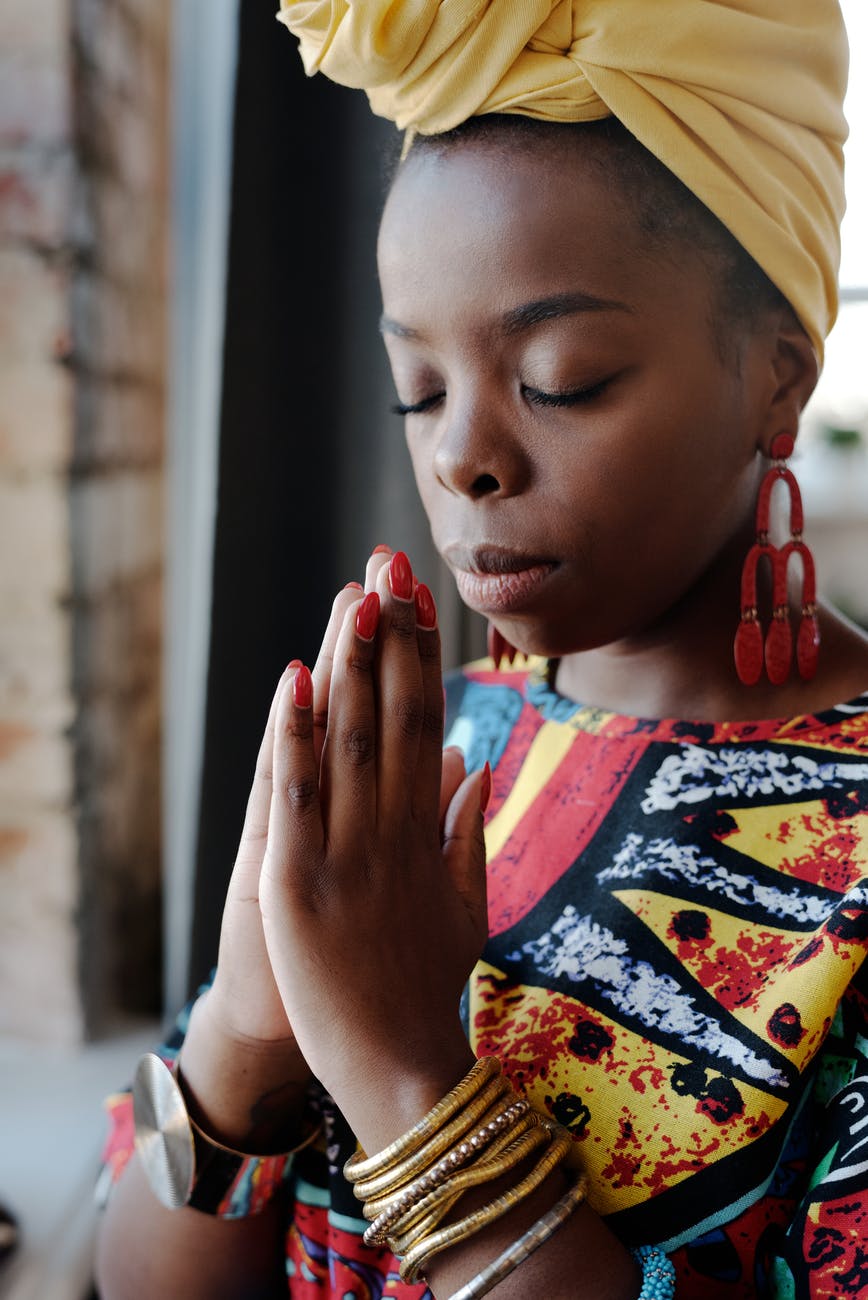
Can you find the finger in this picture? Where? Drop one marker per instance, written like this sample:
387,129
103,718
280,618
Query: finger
430,760
400,701
295,827
464,842
452,774
322,673
348,769
255,829
379,559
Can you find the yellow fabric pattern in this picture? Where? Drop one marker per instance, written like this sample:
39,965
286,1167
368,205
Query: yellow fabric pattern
741,99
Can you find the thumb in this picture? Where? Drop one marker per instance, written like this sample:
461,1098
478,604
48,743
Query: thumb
464,842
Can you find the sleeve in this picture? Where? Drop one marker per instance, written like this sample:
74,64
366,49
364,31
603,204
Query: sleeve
326,1258
824,1251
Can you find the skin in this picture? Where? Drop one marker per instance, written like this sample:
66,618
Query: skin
358,828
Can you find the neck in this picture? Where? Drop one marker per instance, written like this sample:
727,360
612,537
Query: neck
682,666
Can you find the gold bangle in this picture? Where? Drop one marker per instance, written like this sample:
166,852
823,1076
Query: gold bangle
497,1125
397,1174
402,1215
419,1254
404,1234
527,1243
360,1166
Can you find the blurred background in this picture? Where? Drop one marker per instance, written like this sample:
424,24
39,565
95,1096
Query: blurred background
195,453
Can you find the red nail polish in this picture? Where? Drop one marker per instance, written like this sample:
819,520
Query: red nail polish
382,549
354,586
426,611
368,616
293,663
401,576
485,787
302,688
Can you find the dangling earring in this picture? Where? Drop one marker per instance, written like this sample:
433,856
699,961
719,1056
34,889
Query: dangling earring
777,652
498,647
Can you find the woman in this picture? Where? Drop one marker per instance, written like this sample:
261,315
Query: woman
602,369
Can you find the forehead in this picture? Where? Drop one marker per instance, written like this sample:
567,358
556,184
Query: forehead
477,228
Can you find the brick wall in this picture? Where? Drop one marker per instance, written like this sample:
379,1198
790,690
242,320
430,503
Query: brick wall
83,209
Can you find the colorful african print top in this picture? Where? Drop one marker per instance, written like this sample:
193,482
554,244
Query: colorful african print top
678,915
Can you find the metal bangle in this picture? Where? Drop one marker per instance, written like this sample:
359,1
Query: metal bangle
419,1254
407,1231
494,1123
530,1241
482,1072
495,1093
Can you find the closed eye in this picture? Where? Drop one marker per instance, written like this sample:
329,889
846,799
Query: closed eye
417,408
570,397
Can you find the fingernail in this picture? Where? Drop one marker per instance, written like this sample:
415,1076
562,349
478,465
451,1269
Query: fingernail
401,576
302,688
426,611
293,663
382,549
485,787
368,616
354,586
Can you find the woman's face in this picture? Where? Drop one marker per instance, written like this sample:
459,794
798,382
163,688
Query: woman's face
582,450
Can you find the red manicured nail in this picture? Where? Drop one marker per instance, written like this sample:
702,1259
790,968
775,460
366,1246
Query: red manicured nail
485,787
368,616
426,611
382,549
354,586
302,688
401,576
293,663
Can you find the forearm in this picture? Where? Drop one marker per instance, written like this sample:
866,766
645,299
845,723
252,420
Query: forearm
582,1256
145,1250
247,1096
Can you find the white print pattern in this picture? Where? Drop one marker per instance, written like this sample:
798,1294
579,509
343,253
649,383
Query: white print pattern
578,948
685,866
698,774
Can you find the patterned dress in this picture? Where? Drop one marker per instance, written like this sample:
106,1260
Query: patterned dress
678,916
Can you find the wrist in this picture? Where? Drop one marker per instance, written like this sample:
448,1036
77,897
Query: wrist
388,1096
244,1093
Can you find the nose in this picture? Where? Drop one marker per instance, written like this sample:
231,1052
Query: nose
479,453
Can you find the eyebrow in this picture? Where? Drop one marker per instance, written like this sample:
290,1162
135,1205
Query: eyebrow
524,317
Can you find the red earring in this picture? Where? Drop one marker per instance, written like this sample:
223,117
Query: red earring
499,647
777,650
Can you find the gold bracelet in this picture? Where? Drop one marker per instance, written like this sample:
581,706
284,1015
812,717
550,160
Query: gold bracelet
419,1254
433,1208
406,1207
404,1234
401,1214
482,1072
530,1241
396,1175
497,1124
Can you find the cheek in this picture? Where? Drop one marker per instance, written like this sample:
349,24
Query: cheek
421,460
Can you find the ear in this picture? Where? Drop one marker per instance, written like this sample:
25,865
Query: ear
793,376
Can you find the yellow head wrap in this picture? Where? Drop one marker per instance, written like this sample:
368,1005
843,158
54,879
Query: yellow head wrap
741,99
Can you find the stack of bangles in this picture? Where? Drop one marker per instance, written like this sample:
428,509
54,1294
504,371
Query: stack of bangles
481,1131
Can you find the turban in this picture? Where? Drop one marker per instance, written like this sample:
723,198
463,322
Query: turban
740,99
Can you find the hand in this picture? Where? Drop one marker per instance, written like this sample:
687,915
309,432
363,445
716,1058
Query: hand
372,890
244,999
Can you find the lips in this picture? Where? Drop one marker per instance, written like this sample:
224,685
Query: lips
495,580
